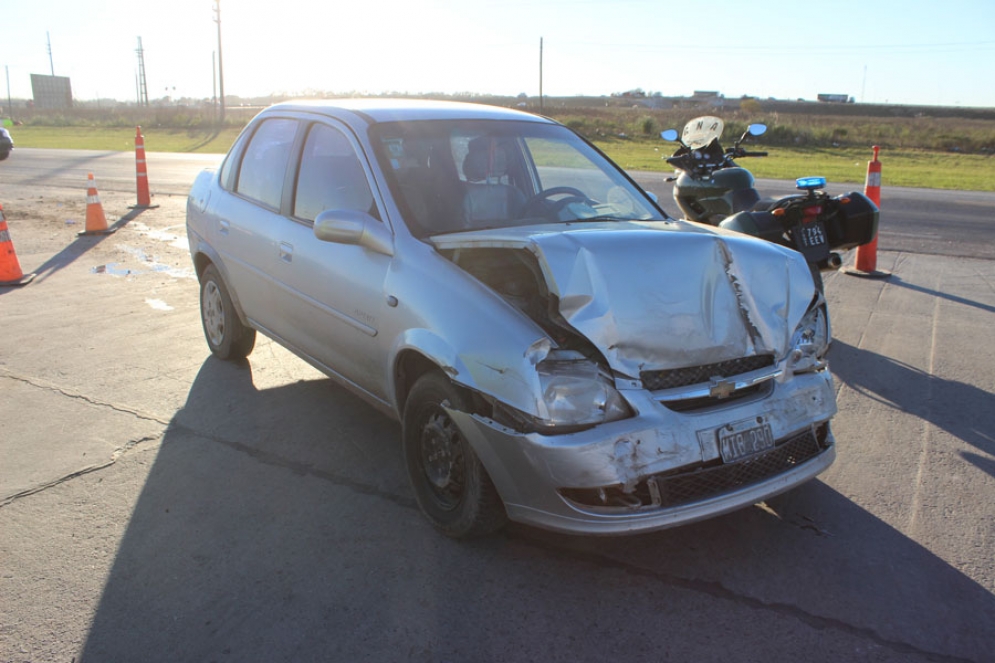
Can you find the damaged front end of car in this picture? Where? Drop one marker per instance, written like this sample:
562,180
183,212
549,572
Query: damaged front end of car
682,374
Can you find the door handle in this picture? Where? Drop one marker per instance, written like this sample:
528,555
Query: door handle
286,252
225,226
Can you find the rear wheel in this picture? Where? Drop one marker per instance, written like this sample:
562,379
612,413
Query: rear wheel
450,483
227,337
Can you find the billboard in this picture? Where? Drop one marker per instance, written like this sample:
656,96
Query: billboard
51,91
835,98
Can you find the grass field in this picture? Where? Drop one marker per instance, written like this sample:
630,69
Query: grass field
900,166
123,139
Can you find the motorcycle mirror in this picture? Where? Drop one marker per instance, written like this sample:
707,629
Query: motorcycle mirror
669,135
752,130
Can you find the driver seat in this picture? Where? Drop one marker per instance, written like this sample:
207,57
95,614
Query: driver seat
486,199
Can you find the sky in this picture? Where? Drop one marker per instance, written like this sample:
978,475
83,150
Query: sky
877,51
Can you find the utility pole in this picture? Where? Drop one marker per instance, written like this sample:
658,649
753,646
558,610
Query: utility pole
540,74
214,85
143,88
10,104
221,72
51,65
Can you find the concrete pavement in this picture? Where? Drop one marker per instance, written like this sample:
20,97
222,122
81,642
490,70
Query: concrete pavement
156,504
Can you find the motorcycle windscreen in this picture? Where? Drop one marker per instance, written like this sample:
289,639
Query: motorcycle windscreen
701,131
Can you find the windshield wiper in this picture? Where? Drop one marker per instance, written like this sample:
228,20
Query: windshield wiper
602,217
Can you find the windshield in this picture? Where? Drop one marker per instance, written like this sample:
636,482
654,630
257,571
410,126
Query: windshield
701,131
460,175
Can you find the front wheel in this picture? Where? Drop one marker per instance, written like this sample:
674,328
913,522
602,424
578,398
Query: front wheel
450,483
227,337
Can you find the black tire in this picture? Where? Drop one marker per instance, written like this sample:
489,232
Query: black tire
227,337
450,483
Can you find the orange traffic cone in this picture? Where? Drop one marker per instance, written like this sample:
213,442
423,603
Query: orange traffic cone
10,269
866,262
96,222
141,173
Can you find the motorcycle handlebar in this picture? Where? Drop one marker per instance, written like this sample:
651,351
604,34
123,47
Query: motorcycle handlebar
753,154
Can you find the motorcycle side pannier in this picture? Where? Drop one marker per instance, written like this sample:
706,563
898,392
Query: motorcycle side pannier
759,224
856,224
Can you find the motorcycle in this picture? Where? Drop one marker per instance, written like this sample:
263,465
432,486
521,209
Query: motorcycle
711,188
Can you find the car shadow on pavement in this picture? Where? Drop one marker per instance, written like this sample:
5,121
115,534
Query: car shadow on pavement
947,404
276,524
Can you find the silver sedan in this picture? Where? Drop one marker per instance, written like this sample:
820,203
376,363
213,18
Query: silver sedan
559,351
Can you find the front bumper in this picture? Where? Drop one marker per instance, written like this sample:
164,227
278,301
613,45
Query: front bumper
539,477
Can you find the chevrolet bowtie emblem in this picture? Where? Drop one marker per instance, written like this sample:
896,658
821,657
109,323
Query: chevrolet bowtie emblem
721,389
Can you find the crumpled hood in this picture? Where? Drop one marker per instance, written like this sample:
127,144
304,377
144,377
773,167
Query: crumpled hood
661,295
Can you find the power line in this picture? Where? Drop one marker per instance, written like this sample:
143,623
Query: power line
669,46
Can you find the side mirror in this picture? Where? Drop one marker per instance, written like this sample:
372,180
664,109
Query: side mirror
341,226
669,135
757,129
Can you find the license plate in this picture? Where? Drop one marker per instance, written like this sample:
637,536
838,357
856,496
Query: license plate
810,235
744,439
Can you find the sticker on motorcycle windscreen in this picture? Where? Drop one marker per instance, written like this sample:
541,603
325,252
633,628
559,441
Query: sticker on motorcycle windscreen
701,131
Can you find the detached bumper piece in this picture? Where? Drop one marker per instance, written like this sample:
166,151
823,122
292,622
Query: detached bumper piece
685,486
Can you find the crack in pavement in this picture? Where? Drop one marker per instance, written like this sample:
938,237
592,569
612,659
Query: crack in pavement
298,468
89,469
41,384
118,452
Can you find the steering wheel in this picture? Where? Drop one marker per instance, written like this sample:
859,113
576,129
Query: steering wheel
572,196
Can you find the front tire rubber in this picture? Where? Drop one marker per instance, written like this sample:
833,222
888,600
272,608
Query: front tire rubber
227,337
450,483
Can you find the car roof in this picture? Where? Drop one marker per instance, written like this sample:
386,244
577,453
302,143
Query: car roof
376,110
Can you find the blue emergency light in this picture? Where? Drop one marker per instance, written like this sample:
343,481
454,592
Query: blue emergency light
810,183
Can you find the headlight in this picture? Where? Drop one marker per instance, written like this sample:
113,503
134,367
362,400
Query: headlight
810,341
575,393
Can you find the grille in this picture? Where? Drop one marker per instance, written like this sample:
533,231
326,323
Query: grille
683,377
690,404
701,484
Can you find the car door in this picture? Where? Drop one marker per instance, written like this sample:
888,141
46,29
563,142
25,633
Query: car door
339,303
250,226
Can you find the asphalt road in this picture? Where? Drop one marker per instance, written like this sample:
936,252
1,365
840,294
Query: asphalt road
158,505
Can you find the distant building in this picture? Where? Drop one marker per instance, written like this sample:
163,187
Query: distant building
51,91
706,99
835,99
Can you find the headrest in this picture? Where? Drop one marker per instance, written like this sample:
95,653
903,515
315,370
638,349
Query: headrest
486,158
